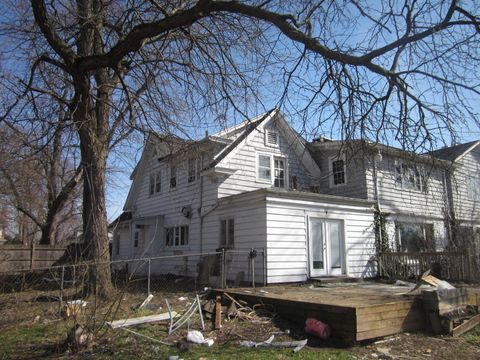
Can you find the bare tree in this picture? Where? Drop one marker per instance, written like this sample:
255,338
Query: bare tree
39,180
394,69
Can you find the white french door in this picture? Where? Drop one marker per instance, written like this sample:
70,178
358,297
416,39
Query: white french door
326,247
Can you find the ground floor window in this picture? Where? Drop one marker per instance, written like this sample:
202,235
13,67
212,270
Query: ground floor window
413,237
176,236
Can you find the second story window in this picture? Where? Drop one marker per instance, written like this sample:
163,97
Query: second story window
192,170
155,184
409,176
173,176
337,171
279,172
264,168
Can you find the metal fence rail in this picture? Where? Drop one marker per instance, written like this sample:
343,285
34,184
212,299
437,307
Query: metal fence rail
452,266
190,272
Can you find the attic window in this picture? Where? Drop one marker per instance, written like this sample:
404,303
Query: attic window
271,138
192,170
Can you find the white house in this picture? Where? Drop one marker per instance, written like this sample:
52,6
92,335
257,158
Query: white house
310,206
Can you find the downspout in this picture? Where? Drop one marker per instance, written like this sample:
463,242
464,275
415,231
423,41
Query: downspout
377,158
449,213
200,214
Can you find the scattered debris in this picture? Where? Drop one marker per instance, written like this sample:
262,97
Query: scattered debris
145,336
141,320
297,345
431,280
218,312
77,339
466,326
186,316
263,291
182,298
317,328
196,337
73,308
145,302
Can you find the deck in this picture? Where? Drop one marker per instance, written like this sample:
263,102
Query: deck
355,312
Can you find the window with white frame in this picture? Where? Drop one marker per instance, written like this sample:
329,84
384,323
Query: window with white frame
412,237
338,171
155,185
227,233
271,138
176,236
279,172
272,169
192,170
264,167
173,176
410,176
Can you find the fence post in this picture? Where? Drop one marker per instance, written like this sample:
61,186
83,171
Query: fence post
264,267
148,281
32,256
252,259
61,289
223,276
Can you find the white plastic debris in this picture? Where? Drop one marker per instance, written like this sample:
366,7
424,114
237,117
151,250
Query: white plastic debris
196,337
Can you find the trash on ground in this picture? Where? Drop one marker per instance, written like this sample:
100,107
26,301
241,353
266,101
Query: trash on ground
146,301
196,337
73,308
185,317
317,328
297,345
78,338
141,320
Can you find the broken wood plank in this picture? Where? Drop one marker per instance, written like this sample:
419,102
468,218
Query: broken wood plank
140,320
218,312
466,326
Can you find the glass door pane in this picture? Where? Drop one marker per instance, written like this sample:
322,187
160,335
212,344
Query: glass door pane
335,239
317,239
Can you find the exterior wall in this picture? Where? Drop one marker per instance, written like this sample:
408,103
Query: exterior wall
396,199
245,162
356,180
287,237
465,183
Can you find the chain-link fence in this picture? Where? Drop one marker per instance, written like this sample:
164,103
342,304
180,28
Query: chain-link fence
166,276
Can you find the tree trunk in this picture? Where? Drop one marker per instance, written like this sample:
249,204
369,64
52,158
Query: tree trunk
95,226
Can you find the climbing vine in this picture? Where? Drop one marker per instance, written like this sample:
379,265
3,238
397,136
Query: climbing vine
381,235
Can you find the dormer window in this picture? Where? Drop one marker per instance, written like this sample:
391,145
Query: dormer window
338,171
271,138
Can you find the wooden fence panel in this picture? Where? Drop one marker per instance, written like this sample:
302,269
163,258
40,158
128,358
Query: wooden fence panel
451,266
19,257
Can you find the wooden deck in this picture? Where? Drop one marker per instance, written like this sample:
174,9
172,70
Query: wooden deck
354,312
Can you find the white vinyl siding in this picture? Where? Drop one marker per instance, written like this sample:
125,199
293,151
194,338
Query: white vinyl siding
245,163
